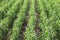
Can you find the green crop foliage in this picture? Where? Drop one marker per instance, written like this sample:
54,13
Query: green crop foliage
43,21
19,21
5,23
5,8
30,33
29,19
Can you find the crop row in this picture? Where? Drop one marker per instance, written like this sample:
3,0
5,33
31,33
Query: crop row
56,7
48,18
6,22
43,24
18,23
30,32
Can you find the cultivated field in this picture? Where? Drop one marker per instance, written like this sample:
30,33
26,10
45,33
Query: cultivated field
29,19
